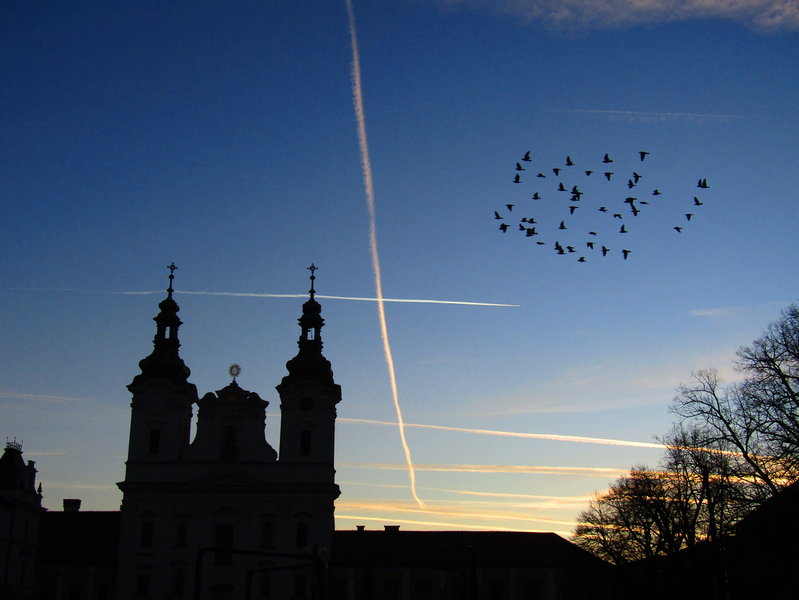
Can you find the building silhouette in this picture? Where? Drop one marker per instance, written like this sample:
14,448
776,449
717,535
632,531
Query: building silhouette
226,517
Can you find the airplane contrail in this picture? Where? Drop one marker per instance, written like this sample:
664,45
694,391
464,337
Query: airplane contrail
255,295
370,199
565,499
433,523
535,436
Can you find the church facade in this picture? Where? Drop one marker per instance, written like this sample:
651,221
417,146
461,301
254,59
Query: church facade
227,489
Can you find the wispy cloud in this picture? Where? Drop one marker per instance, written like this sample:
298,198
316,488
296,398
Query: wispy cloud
390,520
648,117
760,15
39,397
541,470
563,499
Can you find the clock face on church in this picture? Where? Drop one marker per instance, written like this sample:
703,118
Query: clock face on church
306,403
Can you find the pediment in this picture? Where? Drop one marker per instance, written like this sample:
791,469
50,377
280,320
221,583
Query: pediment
225,477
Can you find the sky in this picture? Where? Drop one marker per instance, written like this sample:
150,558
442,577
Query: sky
225,138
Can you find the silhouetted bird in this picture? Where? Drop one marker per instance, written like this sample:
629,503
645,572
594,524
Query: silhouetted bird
536,196
510,206
531,232
571,249
643,154
656,193
607,159
540,243
636,176
531,221
703,184
626,253
608,175
562,225
689,215
588,172
556,171
590,245
561,188
569,162
605,251
644,202
592,233
617,216
540,175
575,190
603,209
521,227
496,215
561,251
572,209
526,156
519,167
518,179
581,259
622,230
504,227
558,246
679,229
630,184
697,202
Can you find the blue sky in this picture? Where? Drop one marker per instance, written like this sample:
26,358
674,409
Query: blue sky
224,139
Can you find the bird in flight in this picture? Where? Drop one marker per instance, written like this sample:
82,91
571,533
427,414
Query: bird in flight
556,171
636,176
571,249
504,227
588,172
569,162
590,245
581,259
519,167
622,230
703,184
510,206
626,253
697,202
608,175
689,215
526,157
603,209
605,251
561,188
656,193
536,196
643,154
679,229
562,225
607,159
617,216
592,233
630,184
518,179
572,209
496,215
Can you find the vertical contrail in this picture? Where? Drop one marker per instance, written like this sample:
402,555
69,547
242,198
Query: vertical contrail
370,198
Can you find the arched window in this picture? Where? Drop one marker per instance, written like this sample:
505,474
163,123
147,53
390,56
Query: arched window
305,442
178,579
181,534
267,534
224,541
146,538
155,441
302,534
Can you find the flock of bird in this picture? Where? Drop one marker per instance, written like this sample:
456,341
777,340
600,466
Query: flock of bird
609,218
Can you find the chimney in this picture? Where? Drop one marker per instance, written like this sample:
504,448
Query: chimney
391,528
71,505
360,527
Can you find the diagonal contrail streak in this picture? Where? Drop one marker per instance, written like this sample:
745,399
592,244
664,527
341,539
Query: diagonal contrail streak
256,295
370,198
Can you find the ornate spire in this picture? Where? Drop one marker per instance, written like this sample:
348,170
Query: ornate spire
309,362
165,362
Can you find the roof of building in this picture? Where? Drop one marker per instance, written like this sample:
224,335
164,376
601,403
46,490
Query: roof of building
431,548
85,537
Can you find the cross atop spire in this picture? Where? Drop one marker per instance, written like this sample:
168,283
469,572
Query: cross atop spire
312,268
171,268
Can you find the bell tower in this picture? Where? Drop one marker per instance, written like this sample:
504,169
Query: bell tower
162,396
308,394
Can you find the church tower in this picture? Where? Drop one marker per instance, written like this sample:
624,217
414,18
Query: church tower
308,395
226,489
